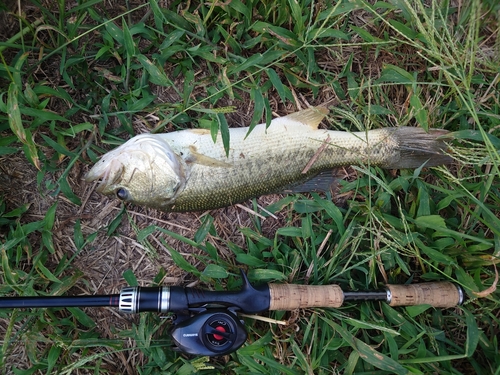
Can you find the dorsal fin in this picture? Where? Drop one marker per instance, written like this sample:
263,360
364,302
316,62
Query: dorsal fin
310,117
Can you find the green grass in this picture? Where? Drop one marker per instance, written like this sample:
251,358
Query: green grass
77,81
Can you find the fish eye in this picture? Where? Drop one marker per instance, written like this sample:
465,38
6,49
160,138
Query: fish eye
122,194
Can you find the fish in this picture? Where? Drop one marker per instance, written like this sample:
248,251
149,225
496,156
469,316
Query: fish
187,170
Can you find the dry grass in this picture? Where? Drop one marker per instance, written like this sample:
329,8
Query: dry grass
103,263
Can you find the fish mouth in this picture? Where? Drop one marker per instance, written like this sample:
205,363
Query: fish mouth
106,174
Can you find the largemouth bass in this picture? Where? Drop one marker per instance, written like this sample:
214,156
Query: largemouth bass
186,171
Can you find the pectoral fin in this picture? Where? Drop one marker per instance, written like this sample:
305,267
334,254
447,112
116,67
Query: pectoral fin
199,131
208,161
310,117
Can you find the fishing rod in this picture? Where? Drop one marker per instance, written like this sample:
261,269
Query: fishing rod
206,322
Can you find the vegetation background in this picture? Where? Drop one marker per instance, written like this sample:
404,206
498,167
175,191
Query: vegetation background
79,77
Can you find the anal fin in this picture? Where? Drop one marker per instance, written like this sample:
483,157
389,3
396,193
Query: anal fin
322,182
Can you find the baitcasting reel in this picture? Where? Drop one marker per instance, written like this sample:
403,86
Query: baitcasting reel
212,332
206,322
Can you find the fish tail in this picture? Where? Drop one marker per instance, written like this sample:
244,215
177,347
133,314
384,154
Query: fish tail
417,147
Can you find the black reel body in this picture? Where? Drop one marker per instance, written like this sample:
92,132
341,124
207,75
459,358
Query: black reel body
213,332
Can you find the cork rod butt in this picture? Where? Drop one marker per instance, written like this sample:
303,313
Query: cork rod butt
290,297
440,294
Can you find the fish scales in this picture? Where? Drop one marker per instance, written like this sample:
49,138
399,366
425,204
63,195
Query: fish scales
267,162
197,174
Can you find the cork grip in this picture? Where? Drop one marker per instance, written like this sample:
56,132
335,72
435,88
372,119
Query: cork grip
439,294
290,297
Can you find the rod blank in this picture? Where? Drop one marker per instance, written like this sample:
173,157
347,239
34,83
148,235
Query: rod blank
56,301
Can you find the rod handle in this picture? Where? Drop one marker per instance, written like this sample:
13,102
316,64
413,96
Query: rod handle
291,296
438,294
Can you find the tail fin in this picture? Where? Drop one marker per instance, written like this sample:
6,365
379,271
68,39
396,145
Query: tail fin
418,147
